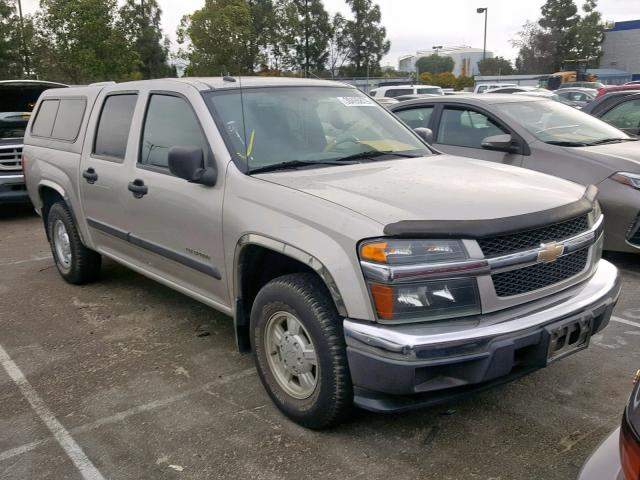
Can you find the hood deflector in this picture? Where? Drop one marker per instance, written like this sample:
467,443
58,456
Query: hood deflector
493,226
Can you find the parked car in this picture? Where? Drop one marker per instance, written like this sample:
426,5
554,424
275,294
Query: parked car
17,98
360,265
483,87
577,95
544,93
398,90
616,88
618,456
543,135
620,109
634,82
386,101
515,89
594,85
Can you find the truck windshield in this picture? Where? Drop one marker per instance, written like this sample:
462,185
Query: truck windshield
558,124
315,125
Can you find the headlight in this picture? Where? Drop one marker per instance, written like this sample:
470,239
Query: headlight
626,178
398,300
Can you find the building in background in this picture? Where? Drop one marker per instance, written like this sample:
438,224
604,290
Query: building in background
621,47
465,59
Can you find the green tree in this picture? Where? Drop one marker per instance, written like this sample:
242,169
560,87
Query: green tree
590,33
495,66
78,42
435,64
444,79
426,78
338,45
13,40
262,34
533,50
559,23
463,82
308,33
365,39
217,38
139,21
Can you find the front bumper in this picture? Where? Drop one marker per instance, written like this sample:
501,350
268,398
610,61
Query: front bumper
13,189
395,368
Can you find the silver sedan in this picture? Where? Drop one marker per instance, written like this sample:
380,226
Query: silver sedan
543,135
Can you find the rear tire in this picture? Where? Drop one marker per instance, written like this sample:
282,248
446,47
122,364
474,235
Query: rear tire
300,351
76,263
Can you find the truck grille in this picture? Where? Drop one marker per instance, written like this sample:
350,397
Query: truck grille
534,277
505,244
11,158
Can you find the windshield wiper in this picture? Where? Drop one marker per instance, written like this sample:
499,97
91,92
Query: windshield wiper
372,154
568,143
292,164
613,140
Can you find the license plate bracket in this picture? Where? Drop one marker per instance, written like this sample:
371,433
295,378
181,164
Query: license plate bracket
568,337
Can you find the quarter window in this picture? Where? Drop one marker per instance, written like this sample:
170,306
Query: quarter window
114,124
170,122
396,92
43,123
416,117
466,128
69,119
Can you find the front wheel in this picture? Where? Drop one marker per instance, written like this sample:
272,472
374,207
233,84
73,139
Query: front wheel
300,351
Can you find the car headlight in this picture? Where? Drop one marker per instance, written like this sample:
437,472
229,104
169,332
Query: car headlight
627,178
386,262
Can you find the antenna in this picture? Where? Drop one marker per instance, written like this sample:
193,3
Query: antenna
244,125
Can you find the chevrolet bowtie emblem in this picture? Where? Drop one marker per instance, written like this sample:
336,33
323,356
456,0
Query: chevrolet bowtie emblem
549,252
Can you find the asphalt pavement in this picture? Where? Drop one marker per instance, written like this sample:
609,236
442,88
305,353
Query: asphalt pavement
127,379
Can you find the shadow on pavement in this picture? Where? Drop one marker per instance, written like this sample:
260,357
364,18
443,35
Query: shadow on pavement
14,211
629,261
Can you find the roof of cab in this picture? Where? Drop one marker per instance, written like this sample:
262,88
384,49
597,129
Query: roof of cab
478,99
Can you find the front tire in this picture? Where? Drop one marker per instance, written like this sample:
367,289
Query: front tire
76,263
300,351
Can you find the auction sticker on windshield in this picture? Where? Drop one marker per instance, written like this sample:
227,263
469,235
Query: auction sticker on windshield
356,101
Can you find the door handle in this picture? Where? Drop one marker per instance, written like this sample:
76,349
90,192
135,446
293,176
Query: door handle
138,188
90,175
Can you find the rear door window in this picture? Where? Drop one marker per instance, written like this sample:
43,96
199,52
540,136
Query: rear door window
112,133
46,116
170,122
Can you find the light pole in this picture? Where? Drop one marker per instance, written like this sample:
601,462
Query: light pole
437,48
484,48
25,52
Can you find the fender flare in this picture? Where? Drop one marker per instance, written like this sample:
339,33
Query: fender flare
289,251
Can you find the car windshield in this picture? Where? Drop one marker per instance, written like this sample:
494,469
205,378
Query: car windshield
316,125
555,123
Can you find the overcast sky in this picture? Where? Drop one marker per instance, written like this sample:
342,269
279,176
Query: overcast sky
420,24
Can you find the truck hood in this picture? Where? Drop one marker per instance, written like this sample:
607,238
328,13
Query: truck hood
440,187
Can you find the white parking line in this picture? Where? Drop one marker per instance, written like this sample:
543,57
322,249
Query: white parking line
68,444
123,415
26,260
625,321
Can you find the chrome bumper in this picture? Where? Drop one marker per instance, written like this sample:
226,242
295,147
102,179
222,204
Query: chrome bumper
429,357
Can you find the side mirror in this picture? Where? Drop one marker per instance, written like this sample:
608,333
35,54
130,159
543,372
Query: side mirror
425,134
499,143
188,163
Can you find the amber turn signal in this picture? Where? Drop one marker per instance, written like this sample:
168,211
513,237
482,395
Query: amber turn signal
375,252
